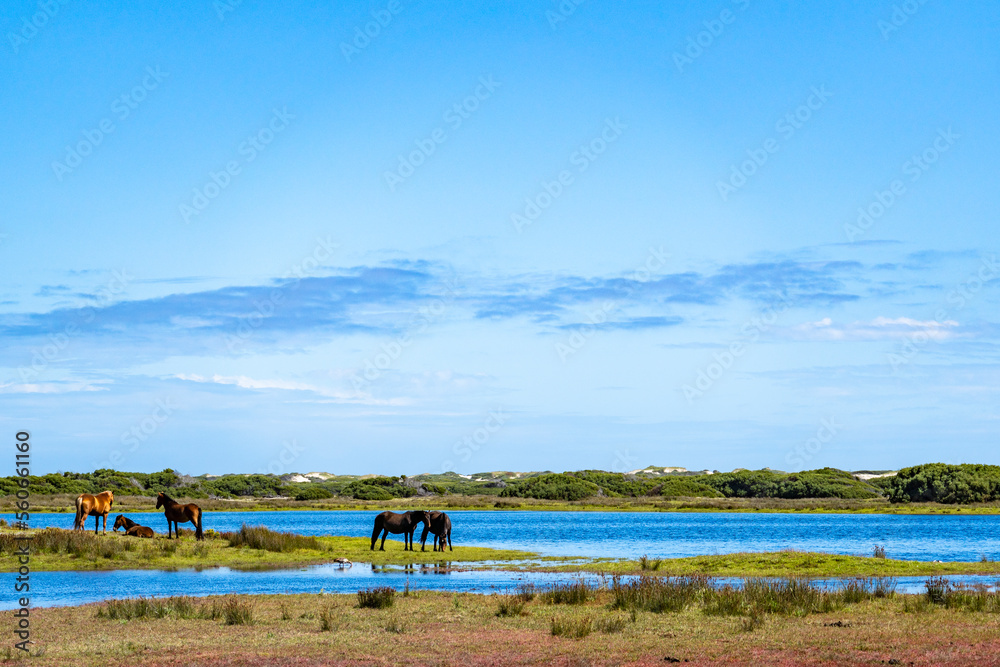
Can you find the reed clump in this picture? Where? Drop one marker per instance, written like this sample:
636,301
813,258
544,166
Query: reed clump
381,597
261,537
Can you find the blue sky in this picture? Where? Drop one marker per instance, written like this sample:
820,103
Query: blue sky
247,237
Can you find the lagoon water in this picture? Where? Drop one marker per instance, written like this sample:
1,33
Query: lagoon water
658,534
591,534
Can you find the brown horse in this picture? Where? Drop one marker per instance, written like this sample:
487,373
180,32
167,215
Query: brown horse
405,523
177,513
131,527
440,525
96,506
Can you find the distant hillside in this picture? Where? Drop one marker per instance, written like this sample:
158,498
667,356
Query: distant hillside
936,482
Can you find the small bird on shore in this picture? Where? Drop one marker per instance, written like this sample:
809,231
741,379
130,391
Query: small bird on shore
343,562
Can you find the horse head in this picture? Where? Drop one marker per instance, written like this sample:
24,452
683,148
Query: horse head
160,499
119,522
422,516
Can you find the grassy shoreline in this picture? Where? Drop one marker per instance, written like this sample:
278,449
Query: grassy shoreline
64,503
60,550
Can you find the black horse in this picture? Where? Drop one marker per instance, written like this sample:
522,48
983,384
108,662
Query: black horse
440,525
406,523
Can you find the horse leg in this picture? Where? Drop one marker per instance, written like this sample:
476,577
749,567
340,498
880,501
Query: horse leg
168,529
105,530
375,533
423,539
385,534
97,521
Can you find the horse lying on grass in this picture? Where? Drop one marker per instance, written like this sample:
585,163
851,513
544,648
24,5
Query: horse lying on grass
96,506
132,529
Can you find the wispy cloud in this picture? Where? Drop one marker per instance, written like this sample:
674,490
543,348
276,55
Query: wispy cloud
880,328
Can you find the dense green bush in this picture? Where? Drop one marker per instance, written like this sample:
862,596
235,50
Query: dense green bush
312,492
378,488
823,483
674,487
551,487
943,483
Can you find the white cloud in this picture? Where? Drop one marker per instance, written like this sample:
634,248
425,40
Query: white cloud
880,328
53,387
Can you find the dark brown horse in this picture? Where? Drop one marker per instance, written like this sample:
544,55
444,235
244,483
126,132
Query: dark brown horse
177,513
440,525
131,527
405,523
96,506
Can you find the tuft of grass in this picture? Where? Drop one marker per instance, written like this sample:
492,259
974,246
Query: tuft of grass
577,592
509,605
645,563
572,628
261,537
381,597
394,625
878,552
755,621
129,609
656,594
860,589
238,610
286,613
526,591
611,624
329,620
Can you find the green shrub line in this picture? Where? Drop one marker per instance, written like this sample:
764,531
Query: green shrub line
932,482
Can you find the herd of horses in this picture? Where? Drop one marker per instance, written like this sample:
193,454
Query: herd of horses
99,506
405,523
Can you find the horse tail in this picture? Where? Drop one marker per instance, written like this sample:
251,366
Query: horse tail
79,508
197,533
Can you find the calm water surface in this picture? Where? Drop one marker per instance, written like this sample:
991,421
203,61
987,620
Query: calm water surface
591,534
632,534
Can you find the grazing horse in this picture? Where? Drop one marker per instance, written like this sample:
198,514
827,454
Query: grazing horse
131,527
406,523
96,506
177,513
440,525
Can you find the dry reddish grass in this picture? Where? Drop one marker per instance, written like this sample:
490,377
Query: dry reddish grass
446,629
